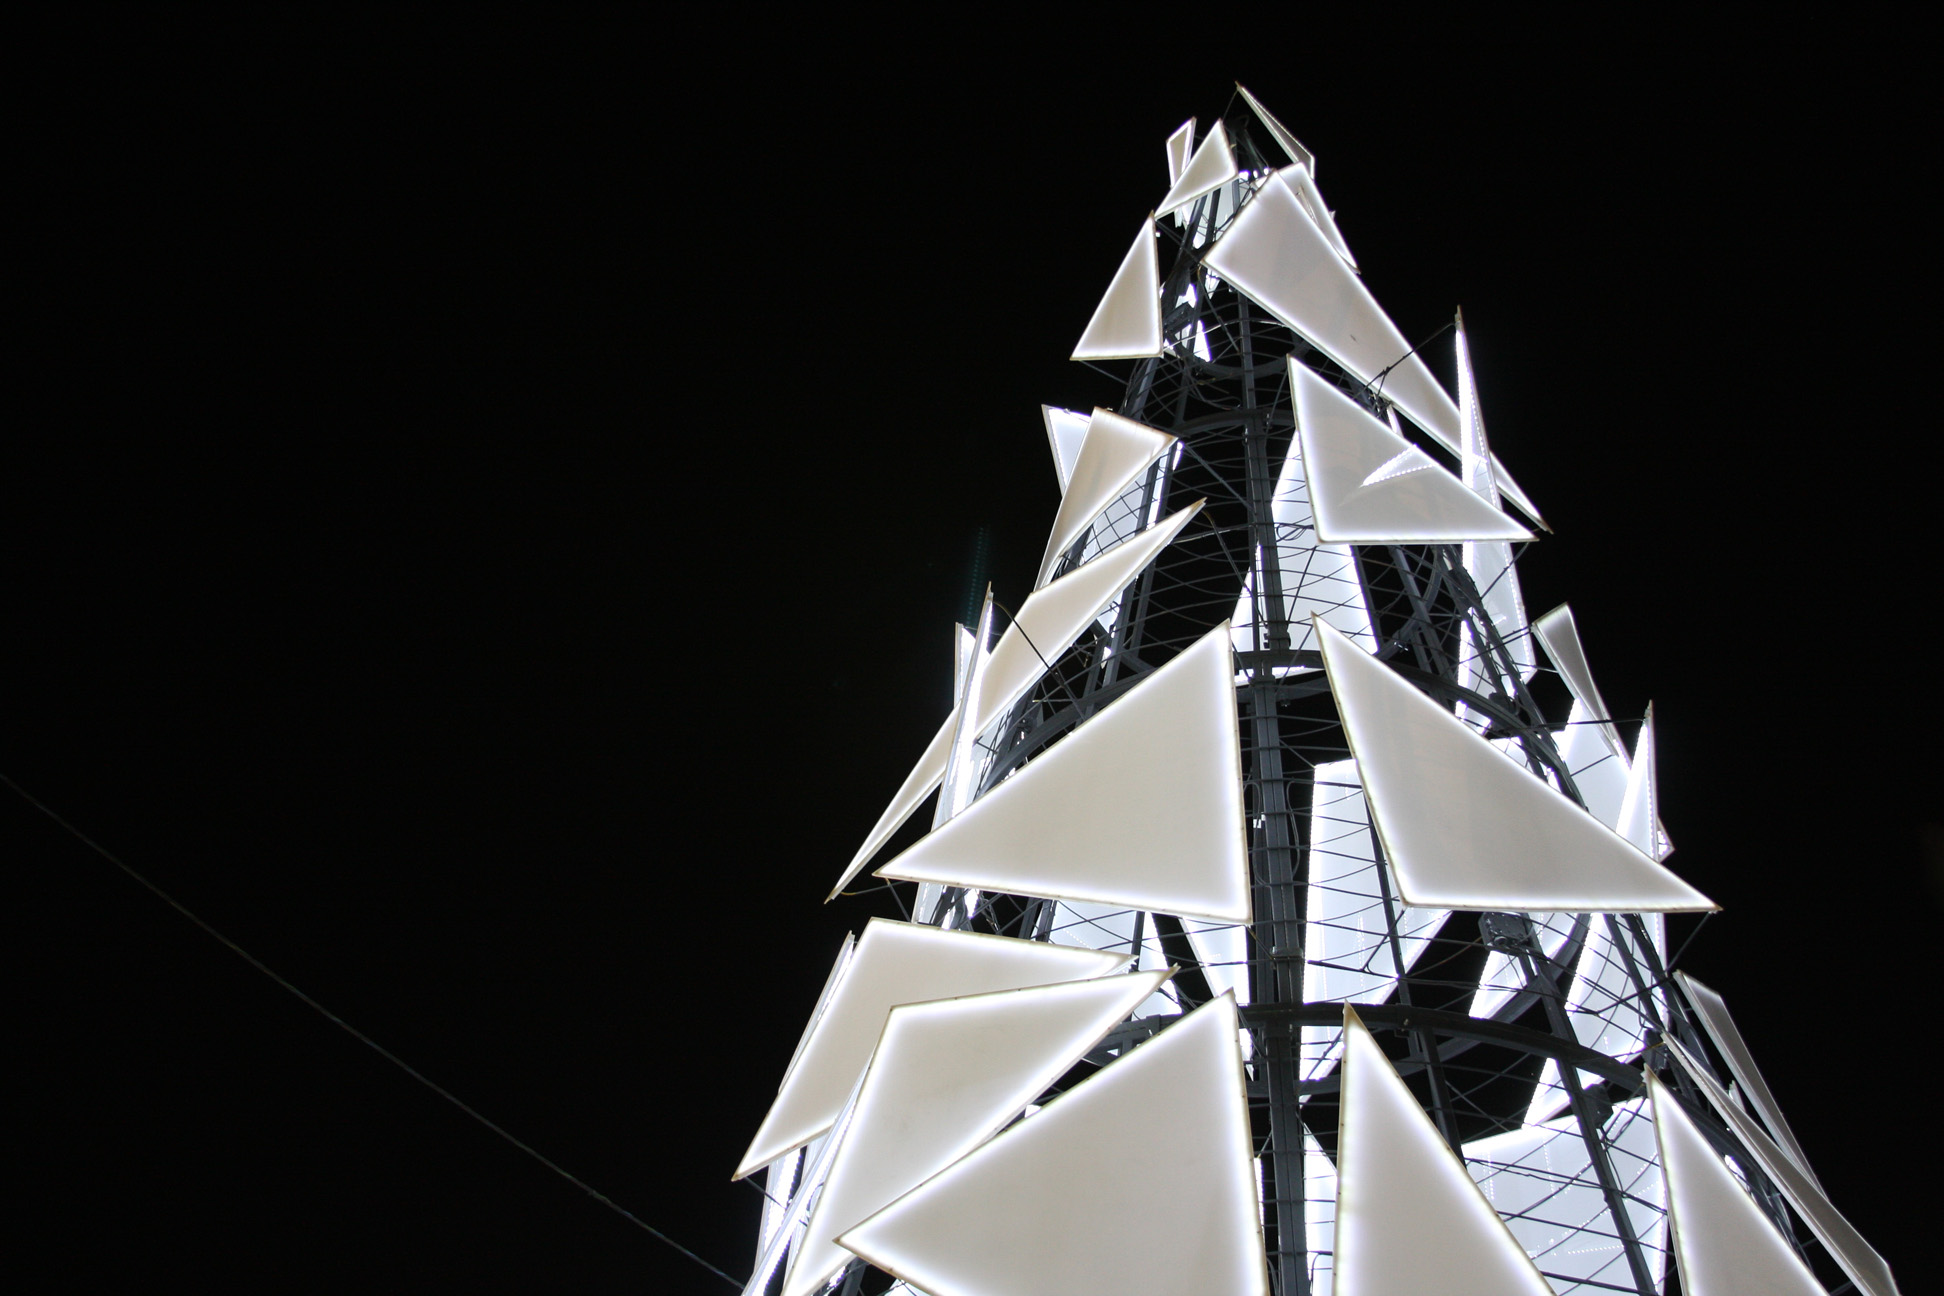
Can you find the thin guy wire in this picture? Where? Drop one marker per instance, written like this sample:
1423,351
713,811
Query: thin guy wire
357,1034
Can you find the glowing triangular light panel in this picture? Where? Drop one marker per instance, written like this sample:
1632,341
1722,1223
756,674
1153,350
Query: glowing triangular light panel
1640,807
1065,431
1127,323
1725,1245
1115,452
1713,1012
1846,1246
1181,146
898,963
1409,1219
1465,827
1559,636
1049,621
1212,166
1297,153
1141,805
1369,485
1138,1181
945,1077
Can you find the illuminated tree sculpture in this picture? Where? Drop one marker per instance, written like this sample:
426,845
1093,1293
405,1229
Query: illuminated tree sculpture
1277,931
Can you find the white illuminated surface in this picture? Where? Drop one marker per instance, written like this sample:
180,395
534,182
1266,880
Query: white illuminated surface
1560,638
1347,950
898,963
1049,621
1140,806
1211,167
1368,484
845,952
1846,1246
1640,807
1127,323
1489,562
956,790
1138,1181
1319,1211
1604,1008
1408,1217
1065,431
1465,827
1223,951
1721,1028
1290,145
1116,451
1503,977
1726,1245
1544,1187
945,1077
1304,187
1317,579
1181,146
1116,927
1599,774
1277,256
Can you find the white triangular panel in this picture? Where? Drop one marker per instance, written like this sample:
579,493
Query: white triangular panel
1726,1245
1370,485
898,963
1640,808
1181,146
1846,1246
1347,952
1313,205
1211,167
1278,257
1542,1183
1600,776
1115,452
963,646
1604,1008
945,1077
845,952
1048,622
1409,1219
1319,1211
1127,323
1137,1181
1560,638
1503,976
1297,153
1140,806
961,768
1123,930
1465,827
1065,431
1713,1012
1489,562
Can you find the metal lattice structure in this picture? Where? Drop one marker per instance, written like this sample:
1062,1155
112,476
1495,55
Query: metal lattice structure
1528,1036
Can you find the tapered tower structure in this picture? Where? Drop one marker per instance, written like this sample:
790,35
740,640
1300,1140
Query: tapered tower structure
1292,917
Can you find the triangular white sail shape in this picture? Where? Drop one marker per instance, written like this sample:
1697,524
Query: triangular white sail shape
1111,927
1181,146
1640,807
1600,776
898,963
1115,452
1065,430
1465,827
1140,806
1725,1244
1409,1219
1713,1012
1211,167
1138,1181
1368,484
1281,133
1048,622
1559,636
1541,1181
1846,1246
1127,323
1489,562
946,1076
960,768
1311,197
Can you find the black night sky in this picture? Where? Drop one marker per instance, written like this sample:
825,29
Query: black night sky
485,505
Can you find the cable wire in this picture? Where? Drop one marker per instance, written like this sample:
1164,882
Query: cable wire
359,1035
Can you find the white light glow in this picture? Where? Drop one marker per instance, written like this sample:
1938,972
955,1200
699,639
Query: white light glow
898,963
1127,323
1713,1012
1370,485
1281,133
1559,636
1726,1245
945,1077
1140,806
1181,146
1116,451
1408,1217
1138,1181
1211,167
1465,827
1065,431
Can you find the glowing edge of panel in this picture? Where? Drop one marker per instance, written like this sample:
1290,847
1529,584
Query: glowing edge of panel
1211,167
1117,450
1134,291
1715,1019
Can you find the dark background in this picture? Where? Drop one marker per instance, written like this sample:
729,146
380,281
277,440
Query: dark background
485,504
